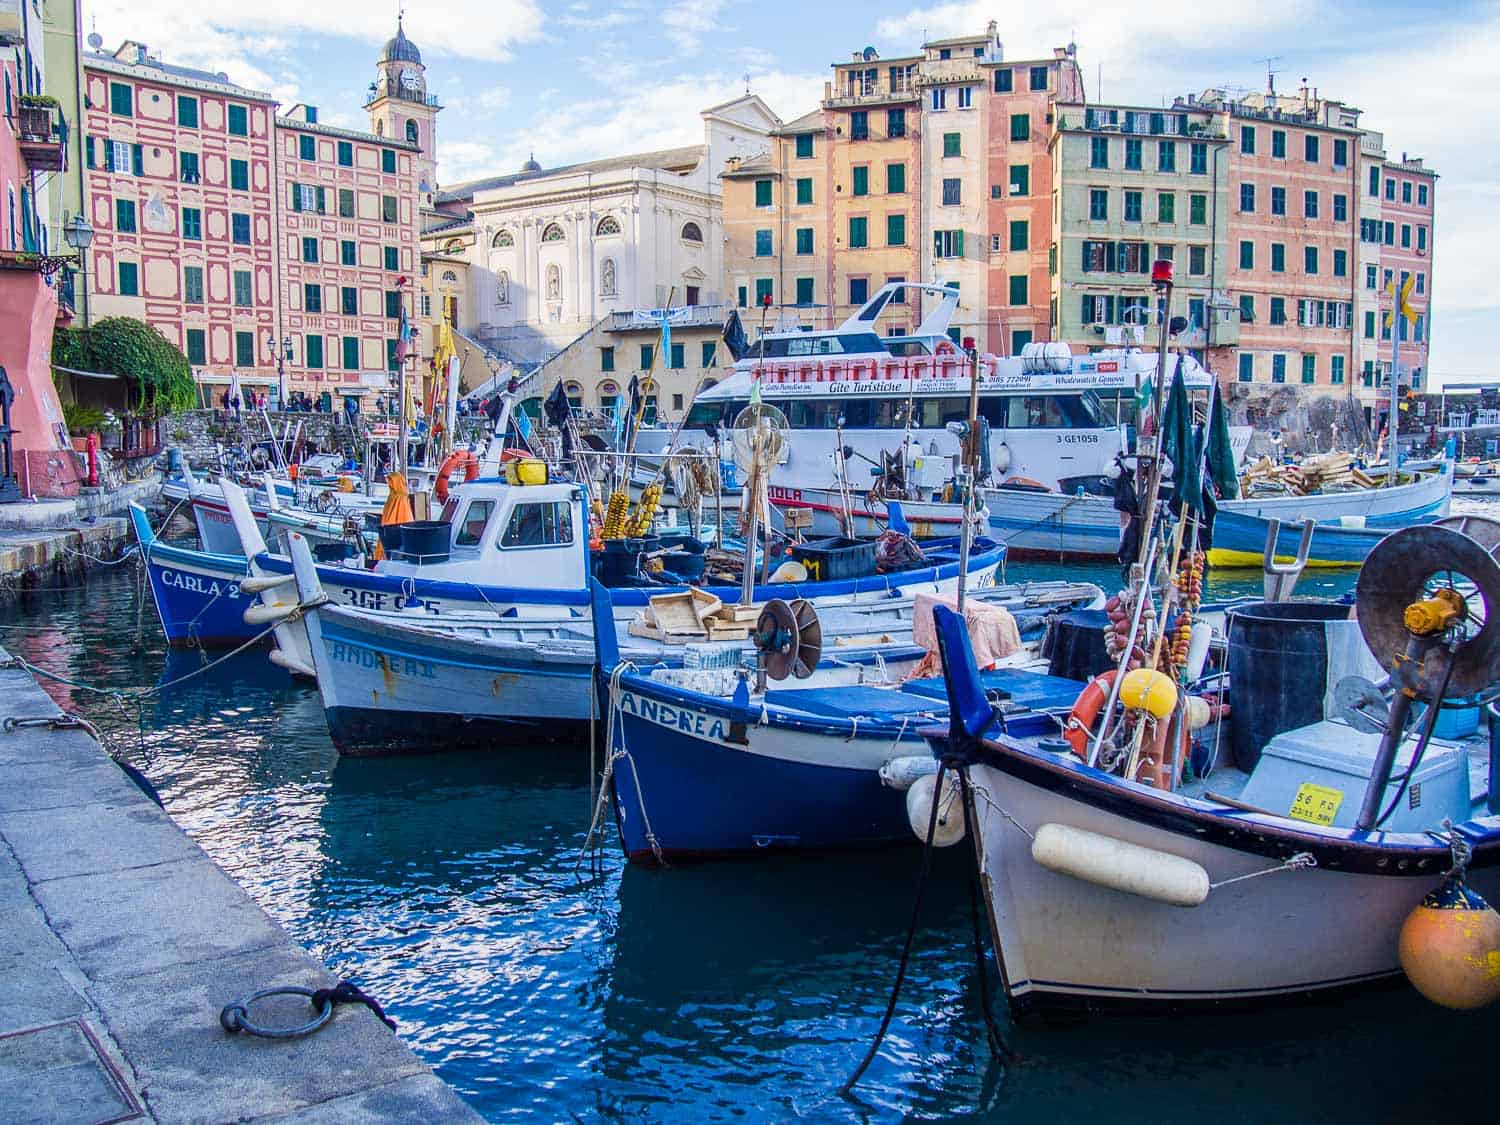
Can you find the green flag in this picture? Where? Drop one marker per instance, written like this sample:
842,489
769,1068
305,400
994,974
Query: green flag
1178,443
1220,463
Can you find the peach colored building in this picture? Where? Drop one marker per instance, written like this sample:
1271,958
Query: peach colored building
180,186
346,205
1293,235
1024,203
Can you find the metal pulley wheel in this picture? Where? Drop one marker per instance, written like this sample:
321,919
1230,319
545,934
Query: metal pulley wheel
1439,560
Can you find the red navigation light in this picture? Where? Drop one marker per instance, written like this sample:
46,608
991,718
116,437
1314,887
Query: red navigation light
1161,272
968,343
766,300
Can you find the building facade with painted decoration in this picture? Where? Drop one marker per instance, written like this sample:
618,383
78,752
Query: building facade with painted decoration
206,210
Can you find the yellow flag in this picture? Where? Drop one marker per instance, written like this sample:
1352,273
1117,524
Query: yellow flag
1401,302
1406,309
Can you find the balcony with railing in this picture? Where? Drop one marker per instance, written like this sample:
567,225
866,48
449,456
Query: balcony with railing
43,133
858,88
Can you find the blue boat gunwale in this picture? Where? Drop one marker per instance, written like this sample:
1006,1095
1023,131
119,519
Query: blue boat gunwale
1345,850
989,554
632,596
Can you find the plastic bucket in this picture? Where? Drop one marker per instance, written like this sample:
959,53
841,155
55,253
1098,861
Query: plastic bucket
426,540
1278,671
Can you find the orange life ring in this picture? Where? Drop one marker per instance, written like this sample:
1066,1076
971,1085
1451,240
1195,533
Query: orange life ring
1085,710
458,457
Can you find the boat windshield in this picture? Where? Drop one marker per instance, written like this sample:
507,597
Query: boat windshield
811,343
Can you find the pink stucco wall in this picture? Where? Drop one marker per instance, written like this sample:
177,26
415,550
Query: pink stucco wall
45,464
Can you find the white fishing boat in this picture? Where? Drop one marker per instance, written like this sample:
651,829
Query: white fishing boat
407,682
1120,876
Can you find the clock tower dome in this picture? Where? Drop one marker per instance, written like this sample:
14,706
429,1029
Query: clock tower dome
401,108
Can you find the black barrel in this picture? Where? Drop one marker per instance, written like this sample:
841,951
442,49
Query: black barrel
425,540
1074,647
1278,671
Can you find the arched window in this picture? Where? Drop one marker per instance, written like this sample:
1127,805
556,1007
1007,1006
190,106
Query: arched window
502,288
380,128
552,233
449,275
607,278
607,225
453,246
609,398
411,130
574,391
692,232
503,239
554,283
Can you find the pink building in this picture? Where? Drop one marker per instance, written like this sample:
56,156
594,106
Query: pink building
32,147
1408,192
179,183
346,216
232,230
1293,235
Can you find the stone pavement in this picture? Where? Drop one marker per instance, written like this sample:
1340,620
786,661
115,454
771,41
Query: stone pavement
120,941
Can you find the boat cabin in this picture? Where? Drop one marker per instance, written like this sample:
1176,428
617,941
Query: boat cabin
500,534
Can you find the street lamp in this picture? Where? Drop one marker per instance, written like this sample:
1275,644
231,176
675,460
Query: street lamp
78,234
281,356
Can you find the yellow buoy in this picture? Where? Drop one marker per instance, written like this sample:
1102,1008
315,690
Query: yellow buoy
1450,948
1150,691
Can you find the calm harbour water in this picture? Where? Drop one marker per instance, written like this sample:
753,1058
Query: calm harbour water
446,887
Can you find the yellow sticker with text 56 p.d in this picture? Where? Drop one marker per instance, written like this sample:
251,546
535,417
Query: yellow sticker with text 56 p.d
1316,804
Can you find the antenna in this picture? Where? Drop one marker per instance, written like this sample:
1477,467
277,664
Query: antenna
747,81
1271,74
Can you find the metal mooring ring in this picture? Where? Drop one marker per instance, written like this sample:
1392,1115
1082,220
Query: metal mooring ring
236,1017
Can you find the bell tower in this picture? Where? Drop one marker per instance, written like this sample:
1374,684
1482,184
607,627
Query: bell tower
401,108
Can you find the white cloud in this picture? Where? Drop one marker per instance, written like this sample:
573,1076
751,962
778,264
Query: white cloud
640,117
688,22
226,36
468,160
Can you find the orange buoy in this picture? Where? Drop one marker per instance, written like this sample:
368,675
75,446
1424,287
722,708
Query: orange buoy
1450,947
458,457
1085,710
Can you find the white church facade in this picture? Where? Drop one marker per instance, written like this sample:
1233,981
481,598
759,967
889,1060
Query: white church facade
533,260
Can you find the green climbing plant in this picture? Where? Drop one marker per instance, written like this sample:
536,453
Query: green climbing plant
155,368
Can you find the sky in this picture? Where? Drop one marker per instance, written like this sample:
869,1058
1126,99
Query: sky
574,80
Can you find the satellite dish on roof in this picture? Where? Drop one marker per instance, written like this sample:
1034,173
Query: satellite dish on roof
870,53
95,40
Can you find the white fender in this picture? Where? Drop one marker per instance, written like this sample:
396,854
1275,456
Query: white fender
1198,643
259,583
1118,865
949,829
264,613
901,773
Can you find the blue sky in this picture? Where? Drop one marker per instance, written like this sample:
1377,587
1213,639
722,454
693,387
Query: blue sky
576,79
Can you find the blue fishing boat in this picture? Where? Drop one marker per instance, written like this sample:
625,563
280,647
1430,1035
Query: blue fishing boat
708,763
484,561
1240,540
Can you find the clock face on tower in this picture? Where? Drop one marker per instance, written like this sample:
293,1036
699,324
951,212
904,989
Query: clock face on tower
410,79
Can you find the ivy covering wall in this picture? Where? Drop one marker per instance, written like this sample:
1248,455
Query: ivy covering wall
155,369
